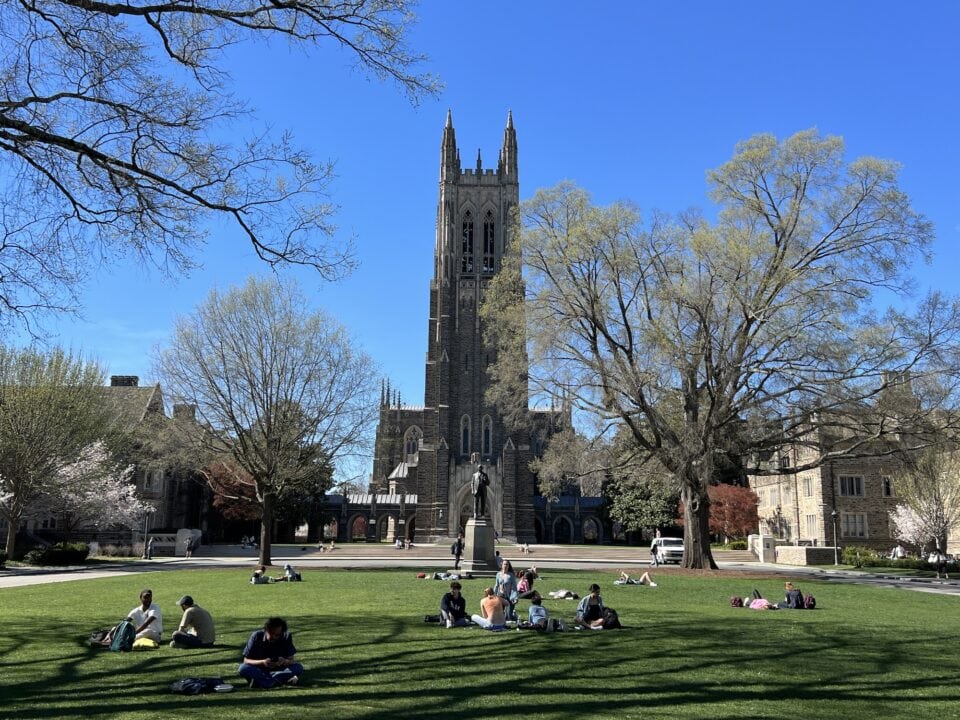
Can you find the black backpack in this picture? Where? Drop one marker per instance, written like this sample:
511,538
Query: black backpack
611,621
194,685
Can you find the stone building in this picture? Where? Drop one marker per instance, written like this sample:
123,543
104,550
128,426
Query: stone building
798,506
845,500
427,453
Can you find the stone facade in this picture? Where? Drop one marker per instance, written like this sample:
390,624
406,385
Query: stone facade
431,450
798,506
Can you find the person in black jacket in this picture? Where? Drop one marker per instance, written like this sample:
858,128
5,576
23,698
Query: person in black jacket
794,598
457,551
453,607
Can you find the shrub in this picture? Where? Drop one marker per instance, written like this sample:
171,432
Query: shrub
120,551
59,554
736,545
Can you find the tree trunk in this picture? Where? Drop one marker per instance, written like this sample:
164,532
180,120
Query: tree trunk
266,528
12,525
696,524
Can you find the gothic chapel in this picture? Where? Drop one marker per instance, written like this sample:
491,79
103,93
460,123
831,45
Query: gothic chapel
424,453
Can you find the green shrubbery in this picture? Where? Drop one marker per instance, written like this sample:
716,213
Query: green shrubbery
866,557
732,545
59,554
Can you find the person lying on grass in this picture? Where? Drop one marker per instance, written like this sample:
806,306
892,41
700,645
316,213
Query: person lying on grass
625,579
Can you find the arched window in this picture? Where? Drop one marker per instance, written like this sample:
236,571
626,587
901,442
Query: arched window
465,435
411,442
487,435
466,249
488,242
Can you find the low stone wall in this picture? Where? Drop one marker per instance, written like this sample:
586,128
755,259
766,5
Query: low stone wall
804,555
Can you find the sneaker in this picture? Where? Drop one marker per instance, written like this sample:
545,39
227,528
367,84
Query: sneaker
653,584
449,623
293,681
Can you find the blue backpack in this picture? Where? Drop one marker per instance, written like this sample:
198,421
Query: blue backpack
123,636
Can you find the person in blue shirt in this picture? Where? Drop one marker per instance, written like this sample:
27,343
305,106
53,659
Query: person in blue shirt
537,618
268,657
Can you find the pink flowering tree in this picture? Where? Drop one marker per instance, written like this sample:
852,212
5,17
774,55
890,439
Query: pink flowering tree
92,492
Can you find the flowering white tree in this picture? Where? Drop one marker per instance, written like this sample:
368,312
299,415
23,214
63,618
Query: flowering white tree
909,527
92,492
930,488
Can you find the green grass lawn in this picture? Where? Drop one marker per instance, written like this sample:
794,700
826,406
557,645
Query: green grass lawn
866,652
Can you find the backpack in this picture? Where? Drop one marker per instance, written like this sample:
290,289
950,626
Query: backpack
611,621
123,636
194,685
453,549
810,602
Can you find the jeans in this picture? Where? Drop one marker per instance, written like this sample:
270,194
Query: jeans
267,678
188,640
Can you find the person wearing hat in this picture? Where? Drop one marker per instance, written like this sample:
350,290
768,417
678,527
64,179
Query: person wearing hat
196,626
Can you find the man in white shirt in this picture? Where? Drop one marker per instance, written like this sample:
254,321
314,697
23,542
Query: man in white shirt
147,617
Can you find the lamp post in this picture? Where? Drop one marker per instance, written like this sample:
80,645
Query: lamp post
836,535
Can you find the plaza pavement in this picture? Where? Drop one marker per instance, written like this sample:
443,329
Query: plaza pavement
432,558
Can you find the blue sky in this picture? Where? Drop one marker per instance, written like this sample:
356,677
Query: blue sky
631,100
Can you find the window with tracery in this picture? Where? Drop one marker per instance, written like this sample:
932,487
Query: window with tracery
465,435
411,442
466,249
487,435
488,243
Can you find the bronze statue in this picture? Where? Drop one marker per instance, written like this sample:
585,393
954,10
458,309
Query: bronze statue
478,486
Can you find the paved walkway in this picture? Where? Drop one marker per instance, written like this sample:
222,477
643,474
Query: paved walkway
437,557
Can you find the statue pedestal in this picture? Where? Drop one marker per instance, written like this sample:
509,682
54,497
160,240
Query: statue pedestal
478,538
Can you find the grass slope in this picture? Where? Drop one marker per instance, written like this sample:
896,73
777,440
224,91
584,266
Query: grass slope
865,652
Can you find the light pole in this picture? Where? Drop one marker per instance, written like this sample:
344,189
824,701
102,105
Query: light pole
836,537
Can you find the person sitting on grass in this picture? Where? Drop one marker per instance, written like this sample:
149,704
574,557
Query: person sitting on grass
196,626
793,599
259,576
492,611
537,617
268,657
590,610
146,618
453,607
627,580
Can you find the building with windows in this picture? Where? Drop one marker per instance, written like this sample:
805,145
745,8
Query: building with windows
425,454
850,499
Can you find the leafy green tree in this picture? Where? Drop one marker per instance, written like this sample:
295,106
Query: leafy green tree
51,408
109,119
703,340
278,389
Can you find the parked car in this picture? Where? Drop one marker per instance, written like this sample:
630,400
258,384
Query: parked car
669,549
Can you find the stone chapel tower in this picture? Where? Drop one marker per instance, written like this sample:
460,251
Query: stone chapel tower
428,449
473,219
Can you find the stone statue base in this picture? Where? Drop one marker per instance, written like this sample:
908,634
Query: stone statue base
478,539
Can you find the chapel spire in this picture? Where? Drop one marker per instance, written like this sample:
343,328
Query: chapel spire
449,155
508,153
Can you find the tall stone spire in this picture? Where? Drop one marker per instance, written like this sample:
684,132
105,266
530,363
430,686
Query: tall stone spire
449,155
508,153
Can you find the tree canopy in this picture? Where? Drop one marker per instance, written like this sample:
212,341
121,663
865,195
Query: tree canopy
114,127
703,340
281,391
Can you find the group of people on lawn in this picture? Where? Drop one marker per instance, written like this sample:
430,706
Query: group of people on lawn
499,602
267,659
